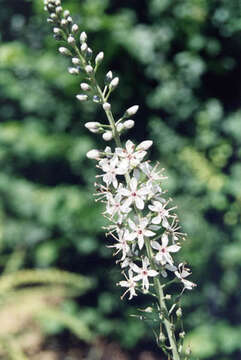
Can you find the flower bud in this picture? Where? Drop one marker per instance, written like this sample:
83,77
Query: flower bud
99,58
162,337
108,77
69,19
114,83
76,61
89,54
128,124
58,10
93,154
132,110
83,37
75,28
71,40
64,51
82,97
66,13
53,16
107,136
120,127
93,126
179,312
89,69
182,334
64,22
144,145
56,30
106,106
85,87
73,71
84,47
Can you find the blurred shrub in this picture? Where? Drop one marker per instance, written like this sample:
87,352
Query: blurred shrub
186,59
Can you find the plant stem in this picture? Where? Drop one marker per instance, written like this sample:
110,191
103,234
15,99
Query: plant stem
159,292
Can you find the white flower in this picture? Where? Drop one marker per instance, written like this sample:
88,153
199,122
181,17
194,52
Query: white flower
143,273
122,245
112,168
113,206
130,284
163,255
132,157
182,273
162,213
134,195
139,231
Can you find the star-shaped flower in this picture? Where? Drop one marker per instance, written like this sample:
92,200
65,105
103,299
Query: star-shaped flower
134,195
163,250
140,231
143,273
130,283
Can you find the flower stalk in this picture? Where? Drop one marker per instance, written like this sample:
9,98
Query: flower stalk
145,230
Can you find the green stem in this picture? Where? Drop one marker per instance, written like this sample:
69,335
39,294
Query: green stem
159,291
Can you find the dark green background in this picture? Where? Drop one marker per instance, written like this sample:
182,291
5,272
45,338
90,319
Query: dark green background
180,61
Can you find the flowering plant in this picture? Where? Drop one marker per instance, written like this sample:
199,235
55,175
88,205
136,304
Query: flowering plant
143,226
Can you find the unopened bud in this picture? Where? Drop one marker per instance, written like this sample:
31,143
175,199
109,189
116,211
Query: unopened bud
179,312
120,127
92,125
99,58
85,87
132,110
82,97
58,10
76,61
182,334
66,13
73,71
114,83
64,51
162,337
108,77
64,22
75,28
83,37
93,154
89,53
84,47
89,69
69,19
168,297
106,106
128,124
53,16
56,30
71,40
107,136
144,145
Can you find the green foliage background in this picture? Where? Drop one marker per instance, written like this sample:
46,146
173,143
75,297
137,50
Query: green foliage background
180,60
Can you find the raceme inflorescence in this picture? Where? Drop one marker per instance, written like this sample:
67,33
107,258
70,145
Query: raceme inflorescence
143,225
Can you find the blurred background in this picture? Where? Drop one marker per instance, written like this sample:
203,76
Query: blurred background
181,62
